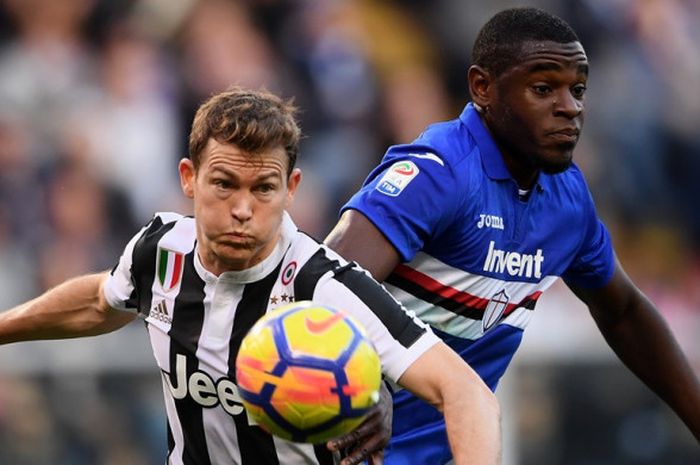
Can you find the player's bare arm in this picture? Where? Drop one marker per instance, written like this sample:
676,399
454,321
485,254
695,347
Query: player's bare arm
75,308
639,335
357,239
471,410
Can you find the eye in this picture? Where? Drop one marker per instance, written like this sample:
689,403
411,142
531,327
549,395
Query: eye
541,89
265,188
222,183
578,91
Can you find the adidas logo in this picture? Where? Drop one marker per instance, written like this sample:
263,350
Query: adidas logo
160,313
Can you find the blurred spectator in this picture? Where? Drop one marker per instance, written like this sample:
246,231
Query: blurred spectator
80,240
132,127
95,96
48,68
27,439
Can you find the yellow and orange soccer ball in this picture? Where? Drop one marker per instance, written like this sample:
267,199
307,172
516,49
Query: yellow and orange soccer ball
307,373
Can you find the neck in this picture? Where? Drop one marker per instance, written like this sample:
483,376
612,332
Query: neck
523,174
520,170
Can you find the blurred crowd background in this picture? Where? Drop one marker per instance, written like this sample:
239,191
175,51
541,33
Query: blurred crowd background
96,99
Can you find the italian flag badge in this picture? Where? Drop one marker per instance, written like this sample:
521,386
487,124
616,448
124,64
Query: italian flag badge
169,268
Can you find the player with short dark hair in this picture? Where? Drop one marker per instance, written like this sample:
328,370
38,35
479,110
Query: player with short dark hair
468,225
498,45
252,121
201,282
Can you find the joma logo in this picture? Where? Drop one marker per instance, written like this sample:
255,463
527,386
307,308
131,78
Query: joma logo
489,221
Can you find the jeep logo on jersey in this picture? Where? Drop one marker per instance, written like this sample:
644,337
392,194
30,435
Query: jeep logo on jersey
397,178
513,263
169,268
494,310
202,389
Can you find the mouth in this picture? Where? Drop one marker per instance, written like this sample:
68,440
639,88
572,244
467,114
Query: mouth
567,135
236,239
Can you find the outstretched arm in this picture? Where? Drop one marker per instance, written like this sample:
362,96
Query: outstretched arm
75,308
472,415
638,334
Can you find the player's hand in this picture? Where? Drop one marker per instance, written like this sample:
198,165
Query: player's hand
367,441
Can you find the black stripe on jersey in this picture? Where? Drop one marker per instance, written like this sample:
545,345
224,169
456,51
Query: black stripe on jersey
433,298
187,322
256,446
143,265
323,455
372,294
528,303
309,274
171,441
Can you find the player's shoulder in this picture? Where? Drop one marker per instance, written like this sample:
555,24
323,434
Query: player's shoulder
569,189
168,217
309,251
441,149
450,139
572,178
306,249
312,265
170,230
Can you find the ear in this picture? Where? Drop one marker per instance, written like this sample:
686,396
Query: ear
480,85
187,177
292,184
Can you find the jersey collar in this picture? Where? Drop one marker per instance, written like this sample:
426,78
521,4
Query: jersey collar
262,269
491,157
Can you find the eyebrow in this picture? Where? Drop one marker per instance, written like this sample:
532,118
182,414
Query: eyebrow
551,66
234,175
268,175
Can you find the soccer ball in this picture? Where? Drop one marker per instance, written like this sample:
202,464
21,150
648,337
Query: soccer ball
307,373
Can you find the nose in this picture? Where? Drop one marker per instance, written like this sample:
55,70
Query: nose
242,207
567,105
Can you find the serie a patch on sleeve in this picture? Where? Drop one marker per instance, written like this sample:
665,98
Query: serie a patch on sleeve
397,177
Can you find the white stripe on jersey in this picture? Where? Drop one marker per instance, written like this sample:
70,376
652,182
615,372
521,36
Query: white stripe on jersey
474,284
212,353
290,452
119,287
394,363
483,287
175,455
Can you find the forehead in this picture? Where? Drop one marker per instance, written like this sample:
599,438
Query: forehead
232,159
539,56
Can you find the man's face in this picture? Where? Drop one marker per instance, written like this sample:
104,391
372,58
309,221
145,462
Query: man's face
537,107
239,200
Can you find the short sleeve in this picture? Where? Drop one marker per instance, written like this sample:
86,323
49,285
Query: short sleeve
594,263
408,197
119,288
397,334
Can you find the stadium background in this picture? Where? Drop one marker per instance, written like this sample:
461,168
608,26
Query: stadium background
95,100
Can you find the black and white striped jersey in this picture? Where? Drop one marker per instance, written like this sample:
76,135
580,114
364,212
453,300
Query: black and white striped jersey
196,322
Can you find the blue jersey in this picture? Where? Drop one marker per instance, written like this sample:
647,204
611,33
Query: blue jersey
476,254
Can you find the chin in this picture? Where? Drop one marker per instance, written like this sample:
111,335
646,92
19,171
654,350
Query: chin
557,163
555,168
